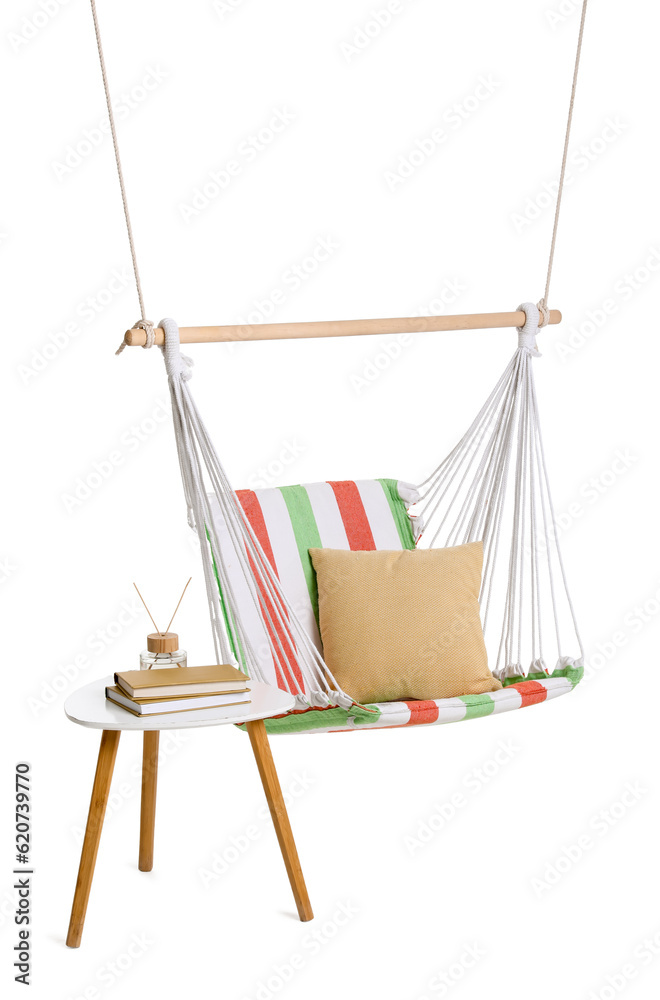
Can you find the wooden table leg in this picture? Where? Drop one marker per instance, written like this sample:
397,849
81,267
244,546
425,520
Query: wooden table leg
264,758
148,801
100,792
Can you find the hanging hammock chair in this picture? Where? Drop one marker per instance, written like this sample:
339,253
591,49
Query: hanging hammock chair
492,487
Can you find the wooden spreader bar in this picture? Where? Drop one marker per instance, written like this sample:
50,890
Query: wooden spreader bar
336,328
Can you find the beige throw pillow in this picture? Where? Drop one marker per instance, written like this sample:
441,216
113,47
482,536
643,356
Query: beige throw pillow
399,625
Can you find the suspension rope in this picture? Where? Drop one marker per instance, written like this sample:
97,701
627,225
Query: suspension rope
143,323
148,326
543,304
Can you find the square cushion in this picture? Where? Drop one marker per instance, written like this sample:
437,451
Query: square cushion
398,625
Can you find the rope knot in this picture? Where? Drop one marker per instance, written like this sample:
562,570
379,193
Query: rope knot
149,329
527,333
509,672
544,311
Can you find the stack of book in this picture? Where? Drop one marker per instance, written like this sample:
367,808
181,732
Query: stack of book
179,689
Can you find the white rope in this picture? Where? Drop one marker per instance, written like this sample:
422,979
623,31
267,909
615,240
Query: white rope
465,499
196,455
201,470
467,495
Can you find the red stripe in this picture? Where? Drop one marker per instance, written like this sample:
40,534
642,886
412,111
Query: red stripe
285,660
422,712
354,516
531,692
250,504
303,711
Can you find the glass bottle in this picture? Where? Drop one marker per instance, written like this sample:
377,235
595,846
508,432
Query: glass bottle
163,651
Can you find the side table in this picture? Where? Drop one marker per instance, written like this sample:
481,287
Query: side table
89,707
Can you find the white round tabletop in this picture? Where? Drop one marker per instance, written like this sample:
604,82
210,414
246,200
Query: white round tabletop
89,707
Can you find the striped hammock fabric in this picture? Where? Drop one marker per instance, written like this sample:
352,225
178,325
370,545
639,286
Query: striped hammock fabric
354,515
365,514
398,714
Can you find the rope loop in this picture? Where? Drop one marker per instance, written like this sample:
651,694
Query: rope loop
544,311
149,329
177,365
527,333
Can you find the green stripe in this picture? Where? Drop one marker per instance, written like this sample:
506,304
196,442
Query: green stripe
365,714
306,533
477,705
231,632
399,513
572,674
329,718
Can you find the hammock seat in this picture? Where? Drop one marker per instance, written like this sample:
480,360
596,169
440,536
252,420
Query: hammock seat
261,586
363,515
399,714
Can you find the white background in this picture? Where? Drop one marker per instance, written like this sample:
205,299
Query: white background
297,411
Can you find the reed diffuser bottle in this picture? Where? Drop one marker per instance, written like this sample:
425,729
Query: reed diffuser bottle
162,647
163,651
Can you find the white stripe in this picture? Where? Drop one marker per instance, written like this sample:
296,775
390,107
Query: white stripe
451,710
326,514
287,559
244,590
396,713
379,514
506,700
556,686
392,713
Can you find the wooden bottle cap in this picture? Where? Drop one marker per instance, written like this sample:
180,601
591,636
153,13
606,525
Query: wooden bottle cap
162,642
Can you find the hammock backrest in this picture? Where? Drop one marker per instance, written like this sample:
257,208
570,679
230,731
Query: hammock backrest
288,521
